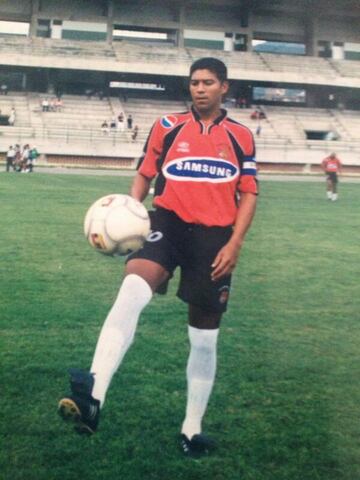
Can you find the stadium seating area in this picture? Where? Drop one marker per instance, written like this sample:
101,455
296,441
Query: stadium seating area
127,53
53,47
82,117
76,129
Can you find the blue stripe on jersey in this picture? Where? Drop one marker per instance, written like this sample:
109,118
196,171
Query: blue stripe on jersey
249,158
249,171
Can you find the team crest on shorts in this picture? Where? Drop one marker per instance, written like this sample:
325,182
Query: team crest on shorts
168,121
224,294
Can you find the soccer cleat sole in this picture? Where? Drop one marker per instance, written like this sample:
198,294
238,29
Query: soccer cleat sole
69,411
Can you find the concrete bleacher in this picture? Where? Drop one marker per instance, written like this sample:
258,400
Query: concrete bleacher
170,60
145,112
347,68
300,64
54,47
76,129
146,53
17,101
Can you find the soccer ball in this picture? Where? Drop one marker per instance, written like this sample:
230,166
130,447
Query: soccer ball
116,225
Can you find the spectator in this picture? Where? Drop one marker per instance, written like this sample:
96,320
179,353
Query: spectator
58,104
89,93
135,133
45,105
17,159
241,102
10,156
258,130
129,122
105,127
4,89
113,124
32,157
121,122
24,158
258,114
12,117
52,105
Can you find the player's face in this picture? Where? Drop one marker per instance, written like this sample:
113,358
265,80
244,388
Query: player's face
206,91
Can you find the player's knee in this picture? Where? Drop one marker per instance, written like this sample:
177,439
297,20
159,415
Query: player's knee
203,319
153,273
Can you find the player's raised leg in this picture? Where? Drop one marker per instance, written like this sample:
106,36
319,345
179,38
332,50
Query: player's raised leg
88,389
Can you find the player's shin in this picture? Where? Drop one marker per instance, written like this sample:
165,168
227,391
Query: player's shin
118,332
201,369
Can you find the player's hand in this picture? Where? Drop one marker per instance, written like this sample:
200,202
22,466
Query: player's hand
225,261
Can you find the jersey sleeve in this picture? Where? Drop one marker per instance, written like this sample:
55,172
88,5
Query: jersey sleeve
248,169
147,165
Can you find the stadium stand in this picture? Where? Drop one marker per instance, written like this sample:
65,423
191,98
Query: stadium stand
92,57
35,50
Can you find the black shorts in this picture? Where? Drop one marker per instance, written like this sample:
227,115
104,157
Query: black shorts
173,242
332,176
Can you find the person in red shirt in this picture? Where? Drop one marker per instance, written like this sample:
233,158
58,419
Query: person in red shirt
331,166
204,168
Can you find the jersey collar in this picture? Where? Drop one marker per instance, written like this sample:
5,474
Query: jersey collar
215,122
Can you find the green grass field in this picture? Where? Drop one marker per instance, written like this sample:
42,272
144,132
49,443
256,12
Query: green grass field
286,404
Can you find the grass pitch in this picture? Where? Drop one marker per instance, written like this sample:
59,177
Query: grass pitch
286,403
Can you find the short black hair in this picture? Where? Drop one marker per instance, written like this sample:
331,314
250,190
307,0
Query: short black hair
214,65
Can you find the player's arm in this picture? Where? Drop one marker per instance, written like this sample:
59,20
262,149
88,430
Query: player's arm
340,167
147,166
140,187
225,261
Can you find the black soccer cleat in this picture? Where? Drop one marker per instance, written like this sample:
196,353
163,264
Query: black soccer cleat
198,446
80,407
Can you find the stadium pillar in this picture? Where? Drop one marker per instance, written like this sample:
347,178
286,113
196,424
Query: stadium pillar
34,18
110,22
311,36
180,36
250,37
24,82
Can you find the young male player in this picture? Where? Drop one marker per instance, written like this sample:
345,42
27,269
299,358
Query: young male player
205,196
331,166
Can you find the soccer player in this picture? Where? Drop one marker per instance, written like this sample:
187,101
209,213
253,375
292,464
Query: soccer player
331,166
205,198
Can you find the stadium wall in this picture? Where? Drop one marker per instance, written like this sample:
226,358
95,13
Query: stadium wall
297,21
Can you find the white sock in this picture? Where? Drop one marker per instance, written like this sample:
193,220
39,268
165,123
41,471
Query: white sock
329,194
334,197
201,369
118,332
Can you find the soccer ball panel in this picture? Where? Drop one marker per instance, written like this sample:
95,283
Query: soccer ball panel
116,224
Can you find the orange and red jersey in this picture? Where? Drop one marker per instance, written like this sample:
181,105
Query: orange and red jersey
200,169
331,164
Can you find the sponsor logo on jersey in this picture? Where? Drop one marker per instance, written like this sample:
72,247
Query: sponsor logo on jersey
200,169
168,121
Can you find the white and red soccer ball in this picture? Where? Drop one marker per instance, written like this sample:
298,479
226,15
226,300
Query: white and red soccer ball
116,224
